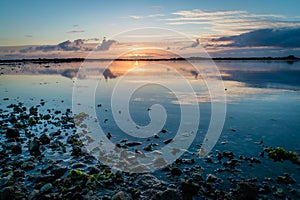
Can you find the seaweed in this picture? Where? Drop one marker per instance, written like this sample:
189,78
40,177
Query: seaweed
280,154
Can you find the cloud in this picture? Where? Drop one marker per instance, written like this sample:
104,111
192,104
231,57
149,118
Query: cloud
284,37
75,31
68,45
106,44
193,45
231,22
156,7
147,16
28,36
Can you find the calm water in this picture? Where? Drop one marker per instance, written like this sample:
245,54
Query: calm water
262,100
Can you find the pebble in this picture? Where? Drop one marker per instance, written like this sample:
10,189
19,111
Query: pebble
46,188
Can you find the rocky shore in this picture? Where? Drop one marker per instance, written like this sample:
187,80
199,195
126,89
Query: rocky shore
42,157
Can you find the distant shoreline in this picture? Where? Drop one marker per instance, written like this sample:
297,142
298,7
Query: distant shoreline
69,60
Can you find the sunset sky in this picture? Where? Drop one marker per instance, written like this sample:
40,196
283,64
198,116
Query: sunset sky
231,28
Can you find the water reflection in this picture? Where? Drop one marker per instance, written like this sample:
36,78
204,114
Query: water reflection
258,74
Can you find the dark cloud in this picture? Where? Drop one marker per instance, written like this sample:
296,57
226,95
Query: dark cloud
284,37
76,45
68,45
75,31
106,44
193,45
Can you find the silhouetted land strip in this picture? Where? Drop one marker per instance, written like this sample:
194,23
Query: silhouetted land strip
69,60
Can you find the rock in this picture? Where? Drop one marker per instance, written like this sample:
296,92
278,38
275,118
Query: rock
78,165
6,193
280,193
189,189
131,144
156,136
149,181
121,196
163,131
286,179
247,190
168,141
148,148
17,149
93,170
175,171
45,139
211,178
12,133
27,165
170,194
34,194
77,196
58,171
34,147
46,188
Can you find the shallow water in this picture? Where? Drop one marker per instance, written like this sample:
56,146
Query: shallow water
262,100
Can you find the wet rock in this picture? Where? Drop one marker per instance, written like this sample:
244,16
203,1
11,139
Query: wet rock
78,165
131,144
279,193
121,196
189,189
247,190
12,133
286,179
156,136
175,171
46,188
45,139
211,178
77,196
163,131
148,148
93,170
28,165
16,149
149,181
170,194
34,147
6,193
34,194
58,171
168,141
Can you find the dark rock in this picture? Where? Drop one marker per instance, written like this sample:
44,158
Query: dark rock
168,141
16,149
247,190
149,181
27,165
93,170
46,188
175,171
45,139
34,147
78,165
6,193
286,179
211,178
170,194
12,133
148,148
121,196
189,189
163,131
58,171
131,144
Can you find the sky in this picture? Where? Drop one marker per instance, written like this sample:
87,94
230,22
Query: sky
230,28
